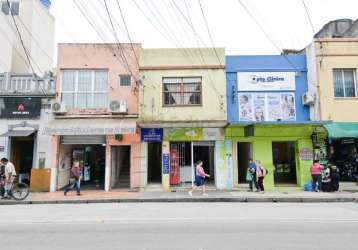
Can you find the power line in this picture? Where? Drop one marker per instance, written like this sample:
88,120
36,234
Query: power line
119,45
35,40
168,35
16,32
16,50
199,48
187,21
127,30
209,33
198,39
100,36
23,46
309,17
265,33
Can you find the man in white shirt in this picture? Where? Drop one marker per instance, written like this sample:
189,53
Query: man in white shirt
10,174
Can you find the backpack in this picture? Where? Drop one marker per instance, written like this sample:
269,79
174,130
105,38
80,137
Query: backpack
264,171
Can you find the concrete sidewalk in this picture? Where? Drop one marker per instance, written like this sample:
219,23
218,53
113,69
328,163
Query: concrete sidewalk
348,194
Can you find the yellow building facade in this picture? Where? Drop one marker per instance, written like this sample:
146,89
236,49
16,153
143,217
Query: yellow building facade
156,64
182,116
334,55
332,62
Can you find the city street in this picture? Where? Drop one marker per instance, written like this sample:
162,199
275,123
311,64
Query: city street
180,226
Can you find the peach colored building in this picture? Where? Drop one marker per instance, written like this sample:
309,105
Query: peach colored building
95,115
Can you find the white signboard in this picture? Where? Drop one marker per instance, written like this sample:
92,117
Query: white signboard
266,81
213,134
261,107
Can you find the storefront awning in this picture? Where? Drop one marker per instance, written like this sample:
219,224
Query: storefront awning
18,133
90,127
342,129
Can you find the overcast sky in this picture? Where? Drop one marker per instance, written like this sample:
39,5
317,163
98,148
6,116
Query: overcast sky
163,24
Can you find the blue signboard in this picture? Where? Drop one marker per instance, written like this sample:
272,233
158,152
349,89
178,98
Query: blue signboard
152,134
165,163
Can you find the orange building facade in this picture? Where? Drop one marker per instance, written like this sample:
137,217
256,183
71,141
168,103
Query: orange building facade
95,116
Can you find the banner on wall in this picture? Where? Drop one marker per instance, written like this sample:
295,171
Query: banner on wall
193,134
223,163
266,81
260,107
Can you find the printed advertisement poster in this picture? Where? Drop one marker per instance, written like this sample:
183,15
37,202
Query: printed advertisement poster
223,163
259,107
245,107
273,107
288,107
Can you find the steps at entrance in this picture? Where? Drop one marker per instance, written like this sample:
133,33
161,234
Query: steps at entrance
154,187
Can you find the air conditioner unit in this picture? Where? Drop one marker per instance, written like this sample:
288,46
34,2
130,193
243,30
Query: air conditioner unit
308,98
58,108
118,107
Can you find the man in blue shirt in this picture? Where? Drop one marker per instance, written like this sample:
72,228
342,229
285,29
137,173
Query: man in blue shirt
252,170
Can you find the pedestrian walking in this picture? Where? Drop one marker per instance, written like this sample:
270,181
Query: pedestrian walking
316,173
200,176
10,175
261,172
75,179
252,169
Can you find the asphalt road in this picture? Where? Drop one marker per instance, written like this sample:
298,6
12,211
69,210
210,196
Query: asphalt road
322,226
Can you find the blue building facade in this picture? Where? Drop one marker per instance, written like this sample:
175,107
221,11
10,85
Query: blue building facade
266,71
268,121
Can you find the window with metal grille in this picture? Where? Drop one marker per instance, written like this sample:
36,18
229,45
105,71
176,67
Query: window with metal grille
344,83
84,88
14,6
182,91
125,80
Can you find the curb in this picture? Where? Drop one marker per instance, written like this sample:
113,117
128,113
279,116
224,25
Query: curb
190,200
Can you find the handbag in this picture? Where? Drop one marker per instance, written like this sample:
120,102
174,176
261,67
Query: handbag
249,176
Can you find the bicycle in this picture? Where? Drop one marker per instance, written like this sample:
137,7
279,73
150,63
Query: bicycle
19,190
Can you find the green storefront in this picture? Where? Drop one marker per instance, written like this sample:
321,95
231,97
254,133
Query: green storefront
286,150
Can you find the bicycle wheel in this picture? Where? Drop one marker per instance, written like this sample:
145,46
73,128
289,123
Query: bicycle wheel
20,191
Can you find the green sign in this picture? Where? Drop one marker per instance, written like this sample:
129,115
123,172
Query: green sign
183,134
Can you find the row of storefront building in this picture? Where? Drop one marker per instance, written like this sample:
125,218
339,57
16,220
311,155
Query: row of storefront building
133,116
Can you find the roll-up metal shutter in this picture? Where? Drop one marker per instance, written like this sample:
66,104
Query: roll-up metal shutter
83,139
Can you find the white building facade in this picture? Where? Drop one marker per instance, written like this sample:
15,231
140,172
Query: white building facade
36,26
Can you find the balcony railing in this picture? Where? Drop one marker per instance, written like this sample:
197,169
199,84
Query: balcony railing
26,84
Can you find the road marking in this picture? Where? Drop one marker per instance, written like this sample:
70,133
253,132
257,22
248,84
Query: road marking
183,219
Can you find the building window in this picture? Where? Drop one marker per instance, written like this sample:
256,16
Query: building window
125,80
344,83
84,88
14,6
182,91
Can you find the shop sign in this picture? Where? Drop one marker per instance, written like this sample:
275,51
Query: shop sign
306,154
260,107
266,81
152,134
183,134
213,134
347,141
165,163
20,107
